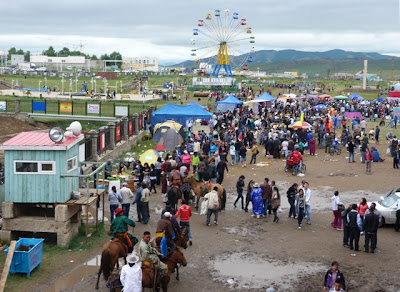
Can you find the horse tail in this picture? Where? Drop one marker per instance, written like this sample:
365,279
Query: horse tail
106,263
223,199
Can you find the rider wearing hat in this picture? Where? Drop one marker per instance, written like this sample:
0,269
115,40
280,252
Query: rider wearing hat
165,228
150,256
119,229
131,274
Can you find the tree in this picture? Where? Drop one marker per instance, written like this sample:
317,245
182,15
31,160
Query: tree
116,56
50,52
64,52
27,56
93,57
11,51
20,52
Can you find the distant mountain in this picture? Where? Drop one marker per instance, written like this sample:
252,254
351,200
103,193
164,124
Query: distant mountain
272,56
322,63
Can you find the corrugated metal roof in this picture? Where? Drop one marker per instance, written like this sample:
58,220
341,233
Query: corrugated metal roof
37,139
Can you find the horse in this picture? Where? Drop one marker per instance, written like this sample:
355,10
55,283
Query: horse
174,194
112,251
200,189
172,260
179,240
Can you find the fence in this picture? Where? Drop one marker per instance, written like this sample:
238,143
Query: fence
93,108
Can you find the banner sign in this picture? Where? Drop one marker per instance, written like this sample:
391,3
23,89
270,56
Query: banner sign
3,105
121,111
66,107
130,128
225,81
93,108
39,106
118,133
140,121
102,141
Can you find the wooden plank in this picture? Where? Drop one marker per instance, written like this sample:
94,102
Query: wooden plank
7,265
81,201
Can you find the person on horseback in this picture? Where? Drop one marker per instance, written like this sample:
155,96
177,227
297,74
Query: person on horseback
176,178
165,228
119,229
149,256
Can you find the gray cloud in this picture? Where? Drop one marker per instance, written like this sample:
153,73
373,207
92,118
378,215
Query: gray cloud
165,26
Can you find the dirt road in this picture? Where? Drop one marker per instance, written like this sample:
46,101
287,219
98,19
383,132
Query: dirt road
245,253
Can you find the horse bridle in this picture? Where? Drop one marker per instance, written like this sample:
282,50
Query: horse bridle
110,284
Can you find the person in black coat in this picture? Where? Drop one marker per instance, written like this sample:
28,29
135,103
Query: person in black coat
371,223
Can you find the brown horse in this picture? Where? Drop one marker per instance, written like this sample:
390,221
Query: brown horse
200,189
172,260
112,251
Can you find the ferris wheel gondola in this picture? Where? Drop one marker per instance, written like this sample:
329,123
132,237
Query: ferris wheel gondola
223,40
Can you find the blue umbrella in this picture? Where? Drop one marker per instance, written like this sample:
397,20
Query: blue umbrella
356,96
320,107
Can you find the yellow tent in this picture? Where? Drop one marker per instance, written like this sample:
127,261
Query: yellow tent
169,124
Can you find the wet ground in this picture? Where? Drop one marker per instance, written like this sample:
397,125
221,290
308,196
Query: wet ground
243,253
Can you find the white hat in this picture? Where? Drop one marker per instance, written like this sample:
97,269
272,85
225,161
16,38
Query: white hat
167,214
124,183
256,185
185,151
132,258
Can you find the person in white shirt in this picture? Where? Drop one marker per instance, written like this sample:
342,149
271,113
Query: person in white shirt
285,145
212,205
337,221
232,152
307,195
196,146
126,195
131,274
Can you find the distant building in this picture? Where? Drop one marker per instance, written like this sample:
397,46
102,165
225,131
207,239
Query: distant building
294,74
370,77
63,62
343,76
140,64
17,59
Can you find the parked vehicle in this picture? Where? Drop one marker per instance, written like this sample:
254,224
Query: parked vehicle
387,206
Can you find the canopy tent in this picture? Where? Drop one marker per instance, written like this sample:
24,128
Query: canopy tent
379,99
340,97
149,156
356,96
179,113
195,103
365,102
353,115
312,96
265,96
228,104
171,139
324,96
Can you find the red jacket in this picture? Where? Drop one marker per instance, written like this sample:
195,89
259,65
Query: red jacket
368,156
185,211
296,156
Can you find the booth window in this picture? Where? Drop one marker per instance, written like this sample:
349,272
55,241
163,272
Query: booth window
72,164
34,167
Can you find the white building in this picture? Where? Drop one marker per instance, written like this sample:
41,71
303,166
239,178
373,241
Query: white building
140,64
17,59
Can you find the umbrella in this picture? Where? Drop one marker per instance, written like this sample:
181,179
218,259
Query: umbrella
341,97
300,125
364,102
321,107
150,156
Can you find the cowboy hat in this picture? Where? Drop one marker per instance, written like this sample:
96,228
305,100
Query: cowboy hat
256,185
117,211
132,258
167,214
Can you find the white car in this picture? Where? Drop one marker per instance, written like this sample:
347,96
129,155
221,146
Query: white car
387,206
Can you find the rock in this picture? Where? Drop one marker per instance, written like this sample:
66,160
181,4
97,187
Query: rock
230,281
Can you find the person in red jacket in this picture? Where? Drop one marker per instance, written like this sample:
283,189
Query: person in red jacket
368,158
296,157
185,212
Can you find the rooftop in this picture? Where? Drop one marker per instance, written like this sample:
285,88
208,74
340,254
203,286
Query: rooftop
38,141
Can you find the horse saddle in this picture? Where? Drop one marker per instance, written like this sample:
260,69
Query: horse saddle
148,266
204,188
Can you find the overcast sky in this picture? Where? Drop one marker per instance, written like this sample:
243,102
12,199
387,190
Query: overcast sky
164,28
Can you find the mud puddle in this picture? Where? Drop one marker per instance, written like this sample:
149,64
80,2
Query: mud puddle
242,271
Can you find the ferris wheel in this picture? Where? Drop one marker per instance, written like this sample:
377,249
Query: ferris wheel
223,41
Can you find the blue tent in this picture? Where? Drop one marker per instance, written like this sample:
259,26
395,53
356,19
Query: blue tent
195,103
266,96
228,104
356,96
179,113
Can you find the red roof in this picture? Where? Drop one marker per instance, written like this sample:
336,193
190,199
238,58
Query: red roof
38,139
